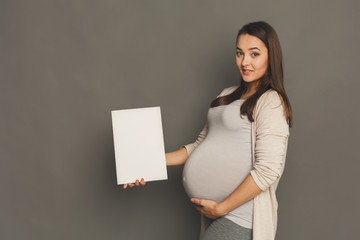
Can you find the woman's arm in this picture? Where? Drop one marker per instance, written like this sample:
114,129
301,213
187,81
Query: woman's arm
247,190
272,132
177,157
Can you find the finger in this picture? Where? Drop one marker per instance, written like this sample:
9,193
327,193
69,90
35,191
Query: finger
125,186
137,182
142,182
196,201
131,184
201,210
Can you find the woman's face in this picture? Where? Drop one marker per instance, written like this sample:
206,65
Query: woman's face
251,57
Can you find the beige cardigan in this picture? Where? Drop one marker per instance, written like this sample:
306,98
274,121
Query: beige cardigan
270,132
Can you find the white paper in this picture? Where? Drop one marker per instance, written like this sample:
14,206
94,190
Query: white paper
139,145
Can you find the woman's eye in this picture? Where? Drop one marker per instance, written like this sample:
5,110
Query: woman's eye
254,54
239,53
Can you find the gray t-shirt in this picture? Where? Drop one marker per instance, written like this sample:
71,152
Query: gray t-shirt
222,160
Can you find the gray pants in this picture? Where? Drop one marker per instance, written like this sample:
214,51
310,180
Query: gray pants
225,229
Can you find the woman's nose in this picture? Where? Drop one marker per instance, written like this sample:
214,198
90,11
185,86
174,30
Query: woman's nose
245,61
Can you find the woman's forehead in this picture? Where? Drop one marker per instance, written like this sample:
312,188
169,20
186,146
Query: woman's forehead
249,42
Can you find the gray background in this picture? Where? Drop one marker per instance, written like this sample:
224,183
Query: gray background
66,64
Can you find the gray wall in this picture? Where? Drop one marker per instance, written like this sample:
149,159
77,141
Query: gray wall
66,64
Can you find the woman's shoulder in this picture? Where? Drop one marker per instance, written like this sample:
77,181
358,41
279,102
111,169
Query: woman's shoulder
269,102
270,111
270,97
228,90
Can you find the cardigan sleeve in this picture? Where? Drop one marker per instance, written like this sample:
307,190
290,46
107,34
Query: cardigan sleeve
271,135
191,146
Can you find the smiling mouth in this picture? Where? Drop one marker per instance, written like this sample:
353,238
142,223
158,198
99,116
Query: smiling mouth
247,71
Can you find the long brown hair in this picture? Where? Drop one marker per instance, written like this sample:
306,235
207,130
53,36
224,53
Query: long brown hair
272,79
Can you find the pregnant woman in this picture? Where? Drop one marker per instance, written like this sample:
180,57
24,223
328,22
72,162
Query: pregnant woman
233,168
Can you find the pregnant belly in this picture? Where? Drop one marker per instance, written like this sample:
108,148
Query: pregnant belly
213,172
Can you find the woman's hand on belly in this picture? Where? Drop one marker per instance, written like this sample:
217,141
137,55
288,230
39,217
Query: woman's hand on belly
209,208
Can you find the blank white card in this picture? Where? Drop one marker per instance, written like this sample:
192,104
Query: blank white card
139,145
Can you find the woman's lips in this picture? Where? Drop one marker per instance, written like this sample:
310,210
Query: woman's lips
247,72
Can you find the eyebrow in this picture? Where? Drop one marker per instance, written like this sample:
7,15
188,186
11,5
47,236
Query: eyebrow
249,48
